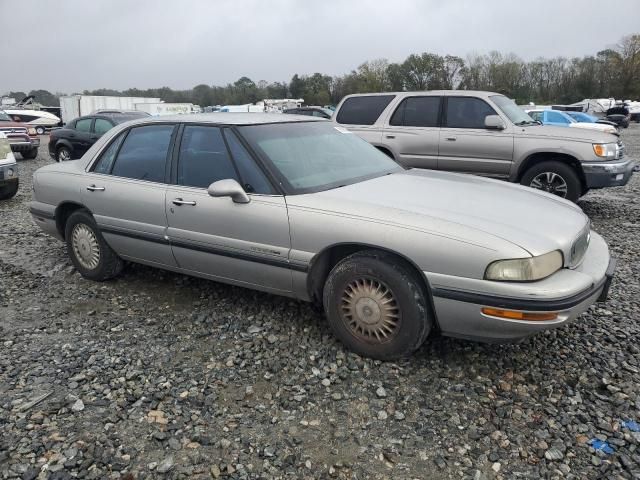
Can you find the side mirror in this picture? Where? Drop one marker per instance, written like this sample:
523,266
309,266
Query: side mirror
228,188
494,122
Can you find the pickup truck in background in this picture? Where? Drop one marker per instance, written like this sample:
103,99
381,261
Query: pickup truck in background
22,138
487,134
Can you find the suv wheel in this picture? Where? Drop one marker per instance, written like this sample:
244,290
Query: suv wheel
554,177
30,154
40,130
63,154
89,252
9,190
376,306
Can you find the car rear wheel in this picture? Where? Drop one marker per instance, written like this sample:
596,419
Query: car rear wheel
377,306
9,190
554,177
89,252
30,154
63,154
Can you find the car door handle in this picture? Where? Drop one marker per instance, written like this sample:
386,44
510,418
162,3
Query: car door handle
179,201
390,136
451,139
93,188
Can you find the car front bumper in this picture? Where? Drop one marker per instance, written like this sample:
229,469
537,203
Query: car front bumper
458,303
608,174
20,146
8,174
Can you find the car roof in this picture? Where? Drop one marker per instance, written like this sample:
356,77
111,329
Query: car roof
230,118
450,93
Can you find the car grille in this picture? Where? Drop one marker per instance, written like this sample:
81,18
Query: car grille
620,149
579,247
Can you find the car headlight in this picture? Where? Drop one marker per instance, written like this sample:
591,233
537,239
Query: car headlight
525,269
32,131
605,150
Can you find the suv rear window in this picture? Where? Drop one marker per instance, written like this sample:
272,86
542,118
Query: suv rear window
363,110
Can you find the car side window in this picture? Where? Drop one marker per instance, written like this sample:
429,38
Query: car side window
556,117
363,110
204,158
84,125
254,179
537,116
467,112
102,126
105,162
143,155
417,112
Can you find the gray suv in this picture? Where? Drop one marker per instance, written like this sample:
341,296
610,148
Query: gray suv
487,134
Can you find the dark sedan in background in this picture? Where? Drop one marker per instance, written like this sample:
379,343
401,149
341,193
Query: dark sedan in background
78,135
319,112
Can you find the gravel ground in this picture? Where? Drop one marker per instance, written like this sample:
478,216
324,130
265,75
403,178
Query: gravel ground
158,375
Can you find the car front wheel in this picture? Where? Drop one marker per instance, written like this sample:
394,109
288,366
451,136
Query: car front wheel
30,154
9,190
376,306
554,177
89,252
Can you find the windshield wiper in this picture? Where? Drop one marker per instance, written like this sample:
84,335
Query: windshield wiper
526,122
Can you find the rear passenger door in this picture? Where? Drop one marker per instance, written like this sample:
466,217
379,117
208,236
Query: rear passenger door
361,115
413,131
242,243
125,191
467,146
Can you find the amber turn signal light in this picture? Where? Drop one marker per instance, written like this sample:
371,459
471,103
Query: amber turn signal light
517,315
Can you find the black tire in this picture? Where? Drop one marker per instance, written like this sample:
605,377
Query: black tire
60,153
40,130
406,299
8,191
30,154
566,173
108,265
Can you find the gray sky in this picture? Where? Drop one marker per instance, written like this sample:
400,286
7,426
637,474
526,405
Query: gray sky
73,45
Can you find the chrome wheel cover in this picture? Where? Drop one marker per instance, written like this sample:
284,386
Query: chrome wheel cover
85,246
370,310
550,182
64,155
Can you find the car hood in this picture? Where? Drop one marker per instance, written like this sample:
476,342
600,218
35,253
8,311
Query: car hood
458,206
571,134
593,126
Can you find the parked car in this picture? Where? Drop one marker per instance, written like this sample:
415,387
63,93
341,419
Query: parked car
303,208
78,135
619,115
564,119
319,112
487,134
582,117
22,138
8,169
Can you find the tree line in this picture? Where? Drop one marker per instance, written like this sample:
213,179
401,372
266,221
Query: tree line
613,72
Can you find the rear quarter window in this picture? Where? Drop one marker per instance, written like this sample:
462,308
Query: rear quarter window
363,110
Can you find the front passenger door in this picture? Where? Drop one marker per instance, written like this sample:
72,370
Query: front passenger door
466,145
245,244
81,140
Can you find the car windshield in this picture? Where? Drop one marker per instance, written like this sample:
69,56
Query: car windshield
316,156
4,117
513,111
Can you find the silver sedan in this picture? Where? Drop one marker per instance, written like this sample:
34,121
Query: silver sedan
303,208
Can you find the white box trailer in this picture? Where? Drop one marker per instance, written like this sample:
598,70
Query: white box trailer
73,106
166,108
